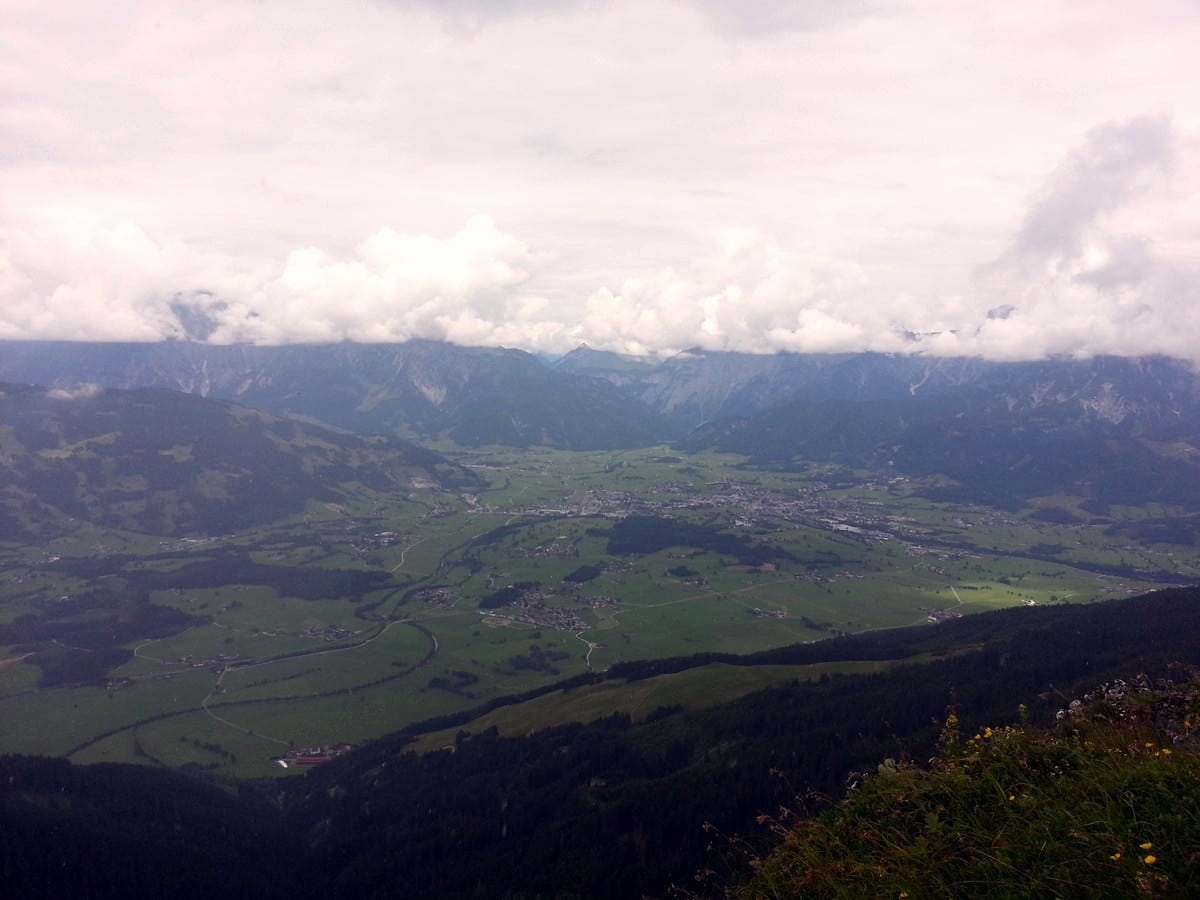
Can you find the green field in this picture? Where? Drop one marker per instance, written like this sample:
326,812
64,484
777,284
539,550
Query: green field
699,688
354,620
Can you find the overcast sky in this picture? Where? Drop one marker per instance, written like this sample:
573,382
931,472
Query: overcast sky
1010,179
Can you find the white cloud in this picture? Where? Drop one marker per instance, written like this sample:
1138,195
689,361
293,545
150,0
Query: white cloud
80,392
1097,178
759,18
640,176
77,278
1095,267
749,295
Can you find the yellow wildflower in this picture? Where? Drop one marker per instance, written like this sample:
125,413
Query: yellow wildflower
1115,856
1146,846
1150,859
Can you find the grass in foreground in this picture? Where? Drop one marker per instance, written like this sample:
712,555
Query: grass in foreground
1107,804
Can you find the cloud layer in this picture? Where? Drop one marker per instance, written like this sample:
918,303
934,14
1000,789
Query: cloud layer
1014,181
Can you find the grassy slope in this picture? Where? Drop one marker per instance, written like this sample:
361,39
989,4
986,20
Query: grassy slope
1105,805
700,688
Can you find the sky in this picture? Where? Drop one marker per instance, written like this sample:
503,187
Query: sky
1011,180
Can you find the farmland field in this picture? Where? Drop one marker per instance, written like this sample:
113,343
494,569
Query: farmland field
352,621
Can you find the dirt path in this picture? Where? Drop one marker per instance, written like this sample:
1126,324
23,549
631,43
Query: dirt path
235,725
591,646
404,554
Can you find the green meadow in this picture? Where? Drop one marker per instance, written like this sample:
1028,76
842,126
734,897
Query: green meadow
699,688
354,620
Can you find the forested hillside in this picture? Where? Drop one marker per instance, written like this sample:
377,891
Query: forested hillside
617,808
169,463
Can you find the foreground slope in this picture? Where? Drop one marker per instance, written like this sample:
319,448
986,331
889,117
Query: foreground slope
109,831
612,809
618,809
1105,805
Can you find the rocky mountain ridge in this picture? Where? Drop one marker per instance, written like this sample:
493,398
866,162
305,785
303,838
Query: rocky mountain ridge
1111,430
427,387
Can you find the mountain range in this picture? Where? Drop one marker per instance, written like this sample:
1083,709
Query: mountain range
1110,430
471,395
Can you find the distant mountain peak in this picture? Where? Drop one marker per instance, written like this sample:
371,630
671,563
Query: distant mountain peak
587,360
